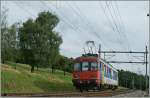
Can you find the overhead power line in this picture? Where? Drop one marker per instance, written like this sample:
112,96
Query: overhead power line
117,29
90,26
108,19
121,23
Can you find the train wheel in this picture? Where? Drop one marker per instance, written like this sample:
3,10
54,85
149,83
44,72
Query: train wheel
116,87
87,88
99,88
113,87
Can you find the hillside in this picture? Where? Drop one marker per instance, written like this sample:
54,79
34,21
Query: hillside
21,80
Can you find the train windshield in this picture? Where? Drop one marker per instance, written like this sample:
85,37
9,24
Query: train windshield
85,66
94,66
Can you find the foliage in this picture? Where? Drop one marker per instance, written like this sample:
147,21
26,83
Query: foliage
9,39
38,42
65,63
3,32
131,80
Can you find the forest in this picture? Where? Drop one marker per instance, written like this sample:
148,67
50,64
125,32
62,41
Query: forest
132,80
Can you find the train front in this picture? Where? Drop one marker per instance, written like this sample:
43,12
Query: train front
86,74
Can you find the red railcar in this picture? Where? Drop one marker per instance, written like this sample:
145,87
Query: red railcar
89,72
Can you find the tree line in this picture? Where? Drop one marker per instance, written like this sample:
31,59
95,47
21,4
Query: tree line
132,80
33,42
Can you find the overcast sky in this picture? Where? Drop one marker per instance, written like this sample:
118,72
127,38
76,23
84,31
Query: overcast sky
121,26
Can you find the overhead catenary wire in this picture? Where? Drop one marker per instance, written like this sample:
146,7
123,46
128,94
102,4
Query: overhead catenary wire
121,25
89,25
76,12
66,21
72,27
116,29
30,14
107,18
120,33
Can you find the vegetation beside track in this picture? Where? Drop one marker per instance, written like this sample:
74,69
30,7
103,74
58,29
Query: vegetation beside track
21,80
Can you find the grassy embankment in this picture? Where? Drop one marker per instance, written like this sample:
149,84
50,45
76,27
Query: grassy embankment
21,80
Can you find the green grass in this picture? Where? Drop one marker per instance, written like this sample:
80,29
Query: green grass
21,80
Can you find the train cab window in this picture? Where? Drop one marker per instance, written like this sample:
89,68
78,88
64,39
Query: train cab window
85,66
94,66
77,67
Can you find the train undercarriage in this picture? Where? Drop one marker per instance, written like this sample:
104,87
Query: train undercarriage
91,85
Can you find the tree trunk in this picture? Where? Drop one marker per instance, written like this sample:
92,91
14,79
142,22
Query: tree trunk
15,66
64,72
37,67
32,68
52,69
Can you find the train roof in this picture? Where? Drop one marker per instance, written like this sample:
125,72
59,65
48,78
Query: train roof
89,58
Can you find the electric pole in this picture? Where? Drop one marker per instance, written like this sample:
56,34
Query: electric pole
99,51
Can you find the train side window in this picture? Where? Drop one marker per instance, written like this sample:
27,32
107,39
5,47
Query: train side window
105,71
85,66
115,75
110,73
77,67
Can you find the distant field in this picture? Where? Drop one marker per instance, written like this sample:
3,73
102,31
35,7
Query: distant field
21,80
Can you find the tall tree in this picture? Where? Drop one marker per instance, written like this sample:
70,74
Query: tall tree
39,43
65,63
3,32
8,42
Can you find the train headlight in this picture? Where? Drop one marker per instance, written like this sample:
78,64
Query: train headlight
76,77
97,81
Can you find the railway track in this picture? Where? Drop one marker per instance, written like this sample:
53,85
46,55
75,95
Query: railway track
104,93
